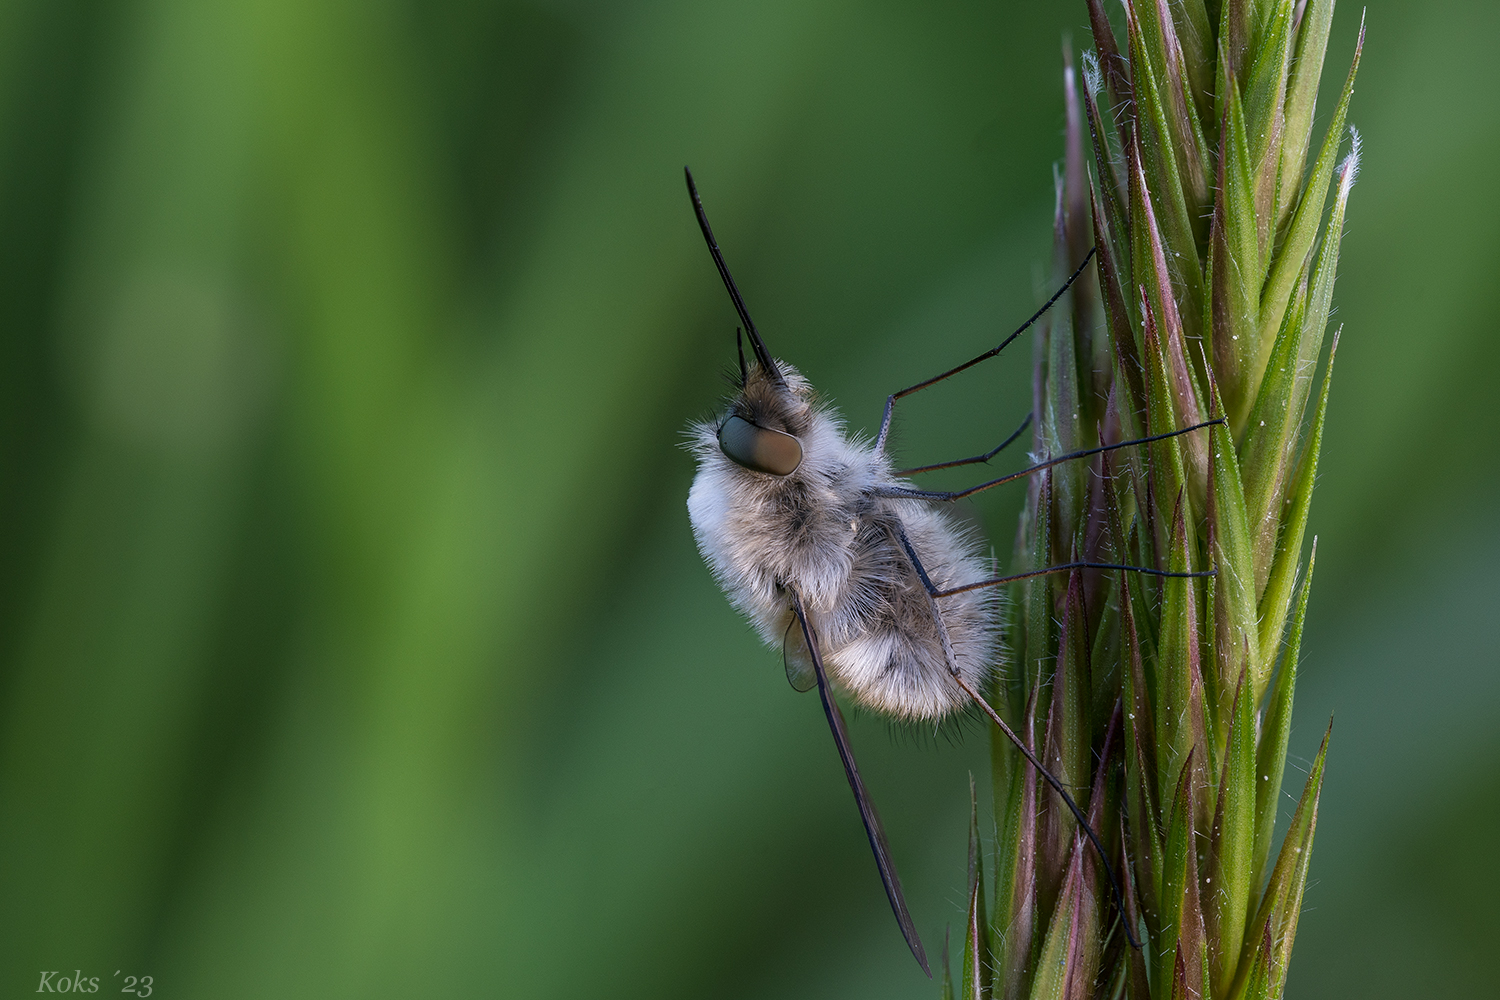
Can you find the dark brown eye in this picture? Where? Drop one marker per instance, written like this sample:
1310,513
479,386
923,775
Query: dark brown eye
760,448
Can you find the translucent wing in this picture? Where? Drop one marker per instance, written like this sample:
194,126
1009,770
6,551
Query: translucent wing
873,829
800,673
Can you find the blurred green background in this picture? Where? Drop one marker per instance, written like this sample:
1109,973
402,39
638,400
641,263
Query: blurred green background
352,638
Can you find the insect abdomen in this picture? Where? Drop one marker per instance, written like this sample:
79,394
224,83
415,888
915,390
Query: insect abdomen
884,645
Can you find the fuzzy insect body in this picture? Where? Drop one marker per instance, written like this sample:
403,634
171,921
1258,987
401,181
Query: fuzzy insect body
824,532
837,559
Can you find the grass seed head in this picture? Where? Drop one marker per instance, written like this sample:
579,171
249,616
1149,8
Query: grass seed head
1167,702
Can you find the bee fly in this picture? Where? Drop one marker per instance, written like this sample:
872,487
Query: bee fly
857,576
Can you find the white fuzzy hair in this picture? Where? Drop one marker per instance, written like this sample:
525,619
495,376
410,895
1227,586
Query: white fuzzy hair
821,532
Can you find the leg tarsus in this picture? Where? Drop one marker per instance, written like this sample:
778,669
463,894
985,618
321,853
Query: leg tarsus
977,458
890,401
948,496
1064,567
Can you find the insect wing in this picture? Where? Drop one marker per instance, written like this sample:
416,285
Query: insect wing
800,672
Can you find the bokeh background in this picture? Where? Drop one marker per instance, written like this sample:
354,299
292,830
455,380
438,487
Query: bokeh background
352,638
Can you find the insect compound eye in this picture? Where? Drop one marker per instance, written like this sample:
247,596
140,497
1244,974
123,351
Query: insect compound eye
760,448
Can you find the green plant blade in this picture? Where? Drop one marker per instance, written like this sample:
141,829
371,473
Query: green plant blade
1182,914
1159,311
1279,407
1264,94
1278,592
1302,232
1236,621
1232,843
1301,100
1270,763
1015,897
977,965
1235,254
1195,29
1068,963
1154,154
1117,315
1281,904
1261,980
1179,112
1177,664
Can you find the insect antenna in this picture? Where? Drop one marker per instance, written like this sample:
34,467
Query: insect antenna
739,348
873,830
890,401
762,356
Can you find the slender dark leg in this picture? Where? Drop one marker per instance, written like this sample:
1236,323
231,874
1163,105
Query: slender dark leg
1063,568
873,829
977,458
932,595
890,401
902,493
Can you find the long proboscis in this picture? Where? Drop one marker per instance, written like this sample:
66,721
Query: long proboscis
762,356
873,829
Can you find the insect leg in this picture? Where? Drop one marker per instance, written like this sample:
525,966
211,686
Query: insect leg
1065,567
867,813
977,458
942,629
903,493
890,401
